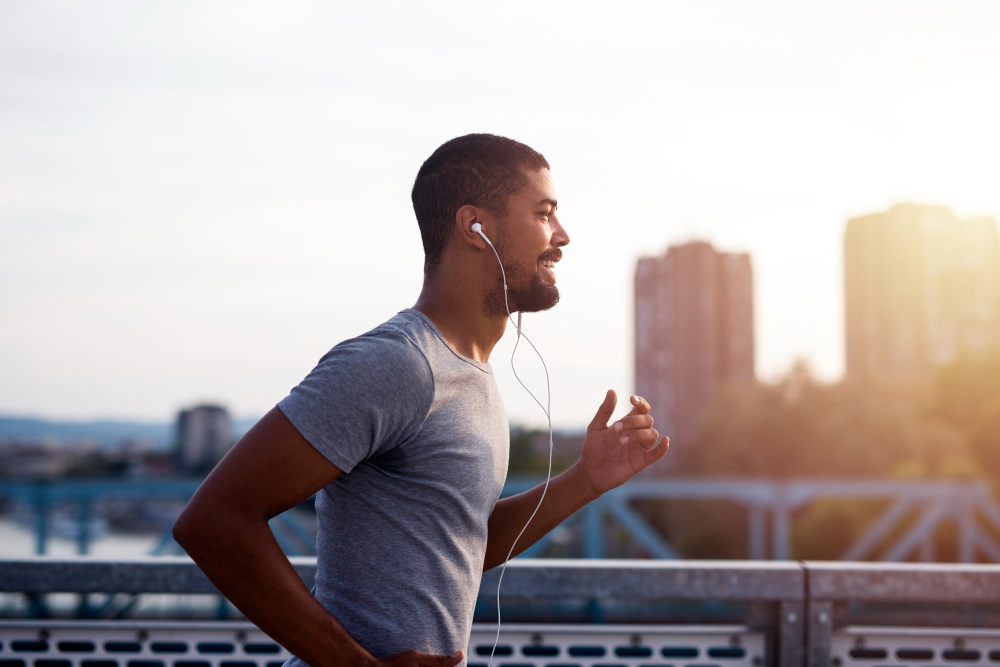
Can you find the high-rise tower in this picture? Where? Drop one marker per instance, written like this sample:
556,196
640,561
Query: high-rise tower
203,436
920,285
693,331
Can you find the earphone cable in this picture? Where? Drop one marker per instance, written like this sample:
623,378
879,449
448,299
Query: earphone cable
548,415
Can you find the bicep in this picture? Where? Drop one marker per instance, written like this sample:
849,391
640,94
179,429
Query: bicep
270,470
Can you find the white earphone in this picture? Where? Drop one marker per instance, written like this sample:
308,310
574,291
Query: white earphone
478,229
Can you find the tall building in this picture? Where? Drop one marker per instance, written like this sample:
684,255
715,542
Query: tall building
920,285
203,436
693,331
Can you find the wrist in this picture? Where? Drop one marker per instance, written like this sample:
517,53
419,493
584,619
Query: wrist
342,650
582,483
360,658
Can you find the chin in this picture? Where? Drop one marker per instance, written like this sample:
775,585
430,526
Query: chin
534,297
541,297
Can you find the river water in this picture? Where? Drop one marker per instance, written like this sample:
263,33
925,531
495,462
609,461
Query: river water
17,539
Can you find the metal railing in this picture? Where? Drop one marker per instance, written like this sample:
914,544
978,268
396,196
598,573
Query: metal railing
657,613
914,513
895,613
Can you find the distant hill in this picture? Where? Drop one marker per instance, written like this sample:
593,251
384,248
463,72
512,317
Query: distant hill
105,433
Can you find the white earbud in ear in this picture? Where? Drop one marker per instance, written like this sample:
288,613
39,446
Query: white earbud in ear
478,229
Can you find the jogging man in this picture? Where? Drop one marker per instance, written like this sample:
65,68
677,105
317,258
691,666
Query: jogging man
403,435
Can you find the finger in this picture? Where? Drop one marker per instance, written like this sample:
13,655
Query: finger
632,422
640,406
654,455
644,437
604,412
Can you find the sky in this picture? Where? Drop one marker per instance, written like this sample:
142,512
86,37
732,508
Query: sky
198,199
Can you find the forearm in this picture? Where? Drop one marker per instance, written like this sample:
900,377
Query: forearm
243,559
567,493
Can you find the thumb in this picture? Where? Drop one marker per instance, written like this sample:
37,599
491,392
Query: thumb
453,659
604,412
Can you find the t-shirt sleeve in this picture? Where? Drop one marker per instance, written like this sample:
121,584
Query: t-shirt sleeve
364,397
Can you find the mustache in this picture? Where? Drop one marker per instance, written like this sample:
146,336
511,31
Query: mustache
553,255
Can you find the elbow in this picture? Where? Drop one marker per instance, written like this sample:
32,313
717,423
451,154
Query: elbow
190,530
182,530
203,529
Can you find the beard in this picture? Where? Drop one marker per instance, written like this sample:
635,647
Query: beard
526,291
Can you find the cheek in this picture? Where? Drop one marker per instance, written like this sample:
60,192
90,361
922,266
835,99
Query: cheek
536,241
526,242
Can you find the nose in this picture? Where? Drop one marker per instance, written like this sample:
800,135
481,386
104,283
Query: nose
559,236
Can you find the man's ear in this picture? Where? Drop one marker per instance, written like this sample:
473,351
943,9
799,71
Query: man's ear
464,217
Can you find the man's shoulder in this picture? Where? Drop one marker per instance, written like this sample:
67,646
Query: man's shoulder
389,348
366,394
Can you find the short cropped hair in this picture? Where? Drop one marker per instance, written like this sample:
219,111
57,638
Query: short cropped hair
483,170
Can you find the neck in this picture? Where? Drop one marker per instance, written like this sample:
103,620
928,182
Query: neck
453,299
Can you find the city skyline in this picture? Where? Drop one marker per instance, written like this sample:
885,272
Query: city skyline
913,247
201,219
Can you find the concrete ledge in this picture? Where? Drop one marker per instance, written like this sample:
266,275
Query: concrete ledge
538,579
153,574
902,582
648,579
524,579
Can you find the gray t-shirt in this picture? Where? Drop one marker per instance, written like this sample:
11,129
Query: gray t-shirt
421,434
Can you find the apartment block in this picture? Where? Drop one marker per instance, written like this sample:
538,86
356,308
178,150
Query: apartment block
694,331
921,285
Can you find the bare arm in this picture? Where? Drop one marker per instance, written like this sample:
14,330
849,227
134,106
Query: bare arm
225,531
567,493
605,462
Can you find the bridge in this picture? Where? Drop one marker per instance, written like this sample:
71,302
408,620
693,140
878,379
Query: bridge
914,511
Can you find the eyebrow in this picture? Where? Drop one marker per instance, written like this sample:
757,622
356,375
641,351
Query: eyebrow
551,202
